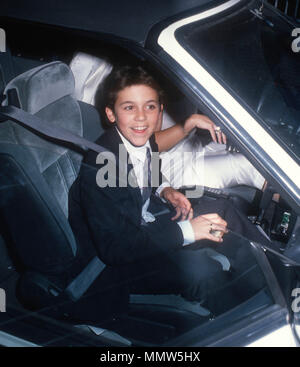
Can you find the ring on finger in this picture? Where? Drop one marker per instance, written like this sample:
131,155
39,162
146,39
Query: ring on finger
215,232
217,129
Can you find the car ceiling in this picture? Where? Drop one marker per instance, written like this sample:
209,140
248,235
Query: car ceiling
131,19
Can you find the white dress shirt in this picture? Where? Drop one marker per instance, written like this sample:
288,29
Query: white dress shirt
137,156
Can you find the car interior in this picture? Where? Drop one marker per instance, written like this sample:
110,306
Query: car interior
57,83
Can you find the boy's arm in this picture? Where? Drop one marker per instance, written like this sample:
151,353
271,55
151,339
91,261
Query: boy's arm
180,202
114,224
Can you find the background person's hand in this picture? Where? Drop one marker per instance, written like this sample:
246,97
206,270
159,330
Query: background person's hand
204,224
180,203
204,122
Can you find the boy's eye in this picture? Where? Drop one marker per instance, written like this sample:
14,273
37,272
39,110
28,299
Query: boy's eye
128,108
151,107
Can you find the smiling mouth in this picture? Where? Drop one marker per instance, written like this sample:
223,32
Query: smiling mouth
139,129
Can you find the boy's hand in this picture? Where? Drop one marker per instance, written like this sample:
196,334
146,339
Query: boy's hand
205,225
181,204
204,122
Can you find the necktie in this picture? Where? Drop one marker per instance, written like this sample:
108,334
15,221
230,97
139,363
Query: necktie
146,192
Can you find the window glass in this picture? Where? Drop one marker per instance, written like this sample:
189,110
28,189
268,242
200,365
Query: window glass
251,54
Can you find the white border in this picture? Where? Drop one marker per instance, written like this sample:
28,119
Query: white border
169,43
282,337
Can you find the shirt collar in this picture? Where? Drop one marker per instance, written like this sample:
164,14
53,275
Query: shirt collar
133,151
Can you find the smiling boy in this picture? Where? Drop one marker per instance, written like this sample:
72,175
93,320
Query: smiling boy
136,111
149,254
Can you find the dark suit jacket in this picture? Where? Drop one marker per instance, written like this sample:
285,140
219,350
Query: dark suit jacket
109,218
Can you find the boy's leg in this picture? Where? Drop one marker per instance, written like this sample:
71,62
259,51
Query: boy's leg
190,273
193,274
245,277
197,277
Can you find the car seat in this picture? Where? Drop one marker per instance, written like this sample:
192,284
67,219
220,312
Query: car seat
37,174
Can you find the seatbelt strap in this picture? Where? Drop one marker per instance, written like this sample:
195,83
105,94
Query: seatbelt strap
36,124
83,280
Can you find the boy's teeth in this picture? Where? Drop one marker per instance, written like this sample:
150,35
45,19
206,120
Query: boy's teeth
140,128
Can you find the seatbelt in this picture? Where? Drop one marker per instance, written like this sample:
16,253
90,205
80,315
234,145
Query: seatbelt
84,279
87,276
36,124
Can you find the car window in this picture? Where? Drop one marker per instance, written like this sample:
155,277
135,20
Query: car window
252,55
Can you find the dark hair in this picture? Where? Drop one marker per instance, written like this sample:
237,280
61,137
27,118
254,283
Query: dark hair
126,76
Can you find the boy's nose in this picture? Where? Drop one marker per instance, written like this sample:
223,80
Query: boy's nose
140,115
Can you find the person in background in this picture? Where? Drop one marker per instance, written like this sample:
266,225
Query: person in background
194,164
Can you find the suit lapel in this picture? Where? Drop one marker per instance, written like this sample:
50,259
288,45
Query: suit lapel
111,140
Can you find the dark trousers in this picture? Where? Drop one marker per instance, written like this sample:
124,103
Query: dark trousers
195,275
189,272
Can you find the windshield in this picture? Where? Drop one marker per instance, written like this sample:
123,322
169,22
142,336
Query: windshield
250,52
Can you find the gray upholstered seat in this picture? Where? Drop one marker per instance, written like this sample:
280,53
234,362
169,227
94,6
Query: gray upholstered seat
47,91
36,173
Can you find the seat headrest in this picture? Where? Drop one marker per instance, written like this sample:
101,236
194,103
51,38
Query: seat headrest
41,86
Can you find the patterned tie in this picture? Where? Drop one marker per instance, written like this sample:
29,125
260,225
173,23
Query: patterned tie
146,192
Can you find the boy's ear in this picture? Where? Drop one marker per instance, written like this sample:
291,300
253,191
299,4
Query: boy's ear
110,115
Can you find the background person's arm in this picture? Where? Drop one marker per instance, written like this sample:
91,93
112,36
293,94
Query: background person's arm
167,138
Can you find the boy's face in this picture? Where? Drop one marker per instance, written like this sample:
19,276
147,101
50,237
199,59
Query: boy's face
136,112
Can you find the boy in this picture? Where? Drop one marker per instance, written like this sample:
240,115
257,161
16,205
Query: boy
149,254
